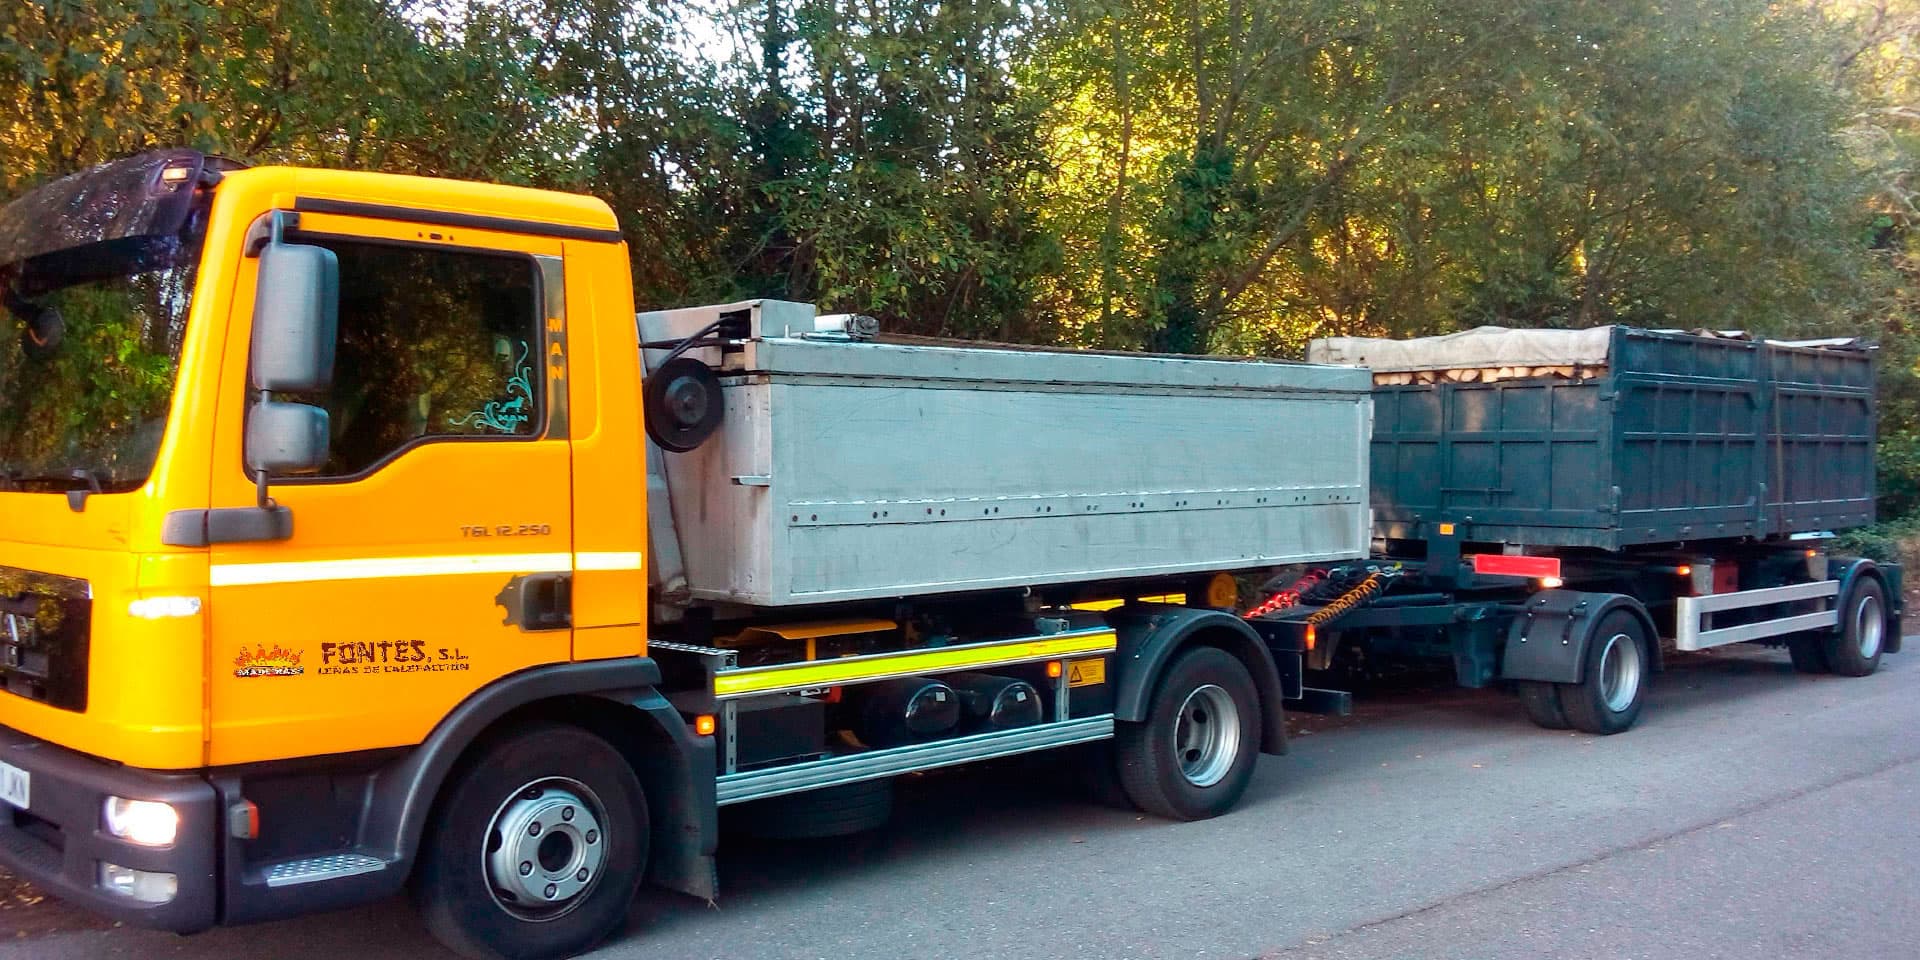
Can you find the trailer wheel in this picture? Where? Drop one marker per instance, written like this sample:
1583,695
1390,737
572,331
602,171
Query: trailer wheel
1809,653
1613,684
1854,650
1542,701
1193,756
537,848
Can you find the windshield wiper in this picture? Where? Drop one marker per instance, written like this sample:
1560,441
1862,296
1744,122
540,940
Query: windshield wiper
88,481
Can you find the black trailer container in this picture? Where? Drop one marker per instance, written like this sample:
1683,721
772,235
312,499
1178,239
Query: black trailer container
1666,438
1557,509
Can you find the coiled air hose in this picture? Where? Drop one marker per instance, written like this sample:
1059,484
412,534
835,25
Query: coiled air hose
1290,597
1367,590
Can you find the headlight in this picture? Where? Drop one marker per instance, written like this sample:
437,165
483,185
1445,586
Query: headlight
149,823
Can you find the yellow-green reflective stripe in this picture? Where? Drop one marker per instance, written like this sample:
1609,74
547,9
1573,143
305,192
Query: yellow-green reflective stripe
826,673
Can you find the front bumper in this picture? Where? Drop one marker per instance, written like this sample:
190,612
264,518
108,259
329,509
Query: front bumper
58,843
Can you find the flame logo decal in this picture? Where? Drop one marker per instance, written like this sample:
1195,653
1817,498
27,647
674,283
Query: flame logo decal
262,662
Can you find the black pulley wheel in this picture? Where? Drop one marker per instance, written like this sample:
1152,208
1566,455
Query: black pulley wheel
684,406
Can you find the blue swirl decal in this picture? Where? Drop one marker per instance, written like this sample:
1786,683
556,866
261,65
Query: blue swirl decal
506,415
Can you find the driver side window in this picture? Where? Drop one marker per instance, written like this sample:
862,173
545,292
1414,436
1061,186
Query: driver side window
435,344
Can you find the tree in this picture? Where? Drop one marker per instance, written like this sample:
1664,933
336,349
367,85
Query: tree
898,165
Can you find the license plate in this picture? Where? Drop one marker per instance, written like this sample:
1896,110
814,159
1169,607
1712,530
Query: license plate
16,785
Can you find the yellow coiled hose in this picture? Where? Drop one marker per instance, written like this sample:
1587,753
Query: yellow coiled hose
1367,590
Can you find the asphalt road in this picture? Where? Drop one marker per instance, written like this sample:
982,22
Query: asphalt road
1754,813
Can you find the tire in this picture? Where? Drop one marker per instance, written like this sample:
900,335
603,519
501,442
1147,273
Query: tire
558,780
1854,650
836,811
1809,653
1190,760
1542,702
1613,685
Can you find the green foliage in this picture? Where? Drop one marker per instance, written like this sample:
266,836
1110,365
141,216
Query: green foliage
1892,541
96,396
1421,165
1186,175
899,166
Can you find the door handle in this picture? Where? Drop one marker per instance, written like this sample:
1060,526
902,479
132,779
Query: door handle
538,601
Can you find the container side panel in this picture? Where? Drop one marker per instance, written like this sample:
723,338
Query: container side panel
1820,448
709,508
1683,438
1406,453
863,471
893,488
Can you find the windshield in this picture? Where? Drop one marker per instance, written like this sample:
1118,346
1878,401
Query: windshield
89,349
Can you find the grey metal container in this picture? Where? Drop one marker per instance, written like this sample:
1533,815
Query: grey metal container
1669,437
849,470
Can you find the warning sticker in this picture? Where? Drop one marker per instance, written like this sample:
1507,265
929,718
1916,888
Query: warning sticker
1086,673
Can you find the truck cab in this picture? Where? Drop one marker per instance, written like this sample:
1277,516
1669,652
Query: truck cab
166,586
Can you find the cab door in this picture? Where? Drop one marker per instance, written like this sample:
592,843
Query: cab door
432,553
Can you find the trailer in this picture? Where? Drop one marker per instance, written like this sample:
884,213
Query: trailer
1559,508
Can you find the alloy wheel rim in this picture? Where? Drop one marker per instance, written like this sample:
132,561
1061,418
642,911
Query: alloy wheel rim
1206,735
545,848
1620,672
1869,626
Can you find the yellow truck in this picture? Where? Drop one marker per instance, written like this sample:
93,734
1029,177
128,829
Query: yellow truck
357,536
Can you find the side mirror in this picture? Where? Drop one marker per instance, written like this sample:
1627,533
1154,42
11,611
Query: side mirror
285,439
296,317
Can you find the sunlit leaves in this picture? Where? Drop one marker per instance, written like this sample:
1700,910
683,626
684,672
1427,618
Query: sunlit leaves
1185,174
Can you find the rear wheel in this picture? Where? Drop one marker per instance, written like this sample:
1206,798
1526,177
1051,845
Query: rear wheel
1613,685
537,848
1542,701
1854,650
1193,756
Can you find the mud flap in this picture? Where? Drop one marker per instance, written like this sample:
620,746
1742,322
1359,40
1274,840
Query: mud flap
1548,639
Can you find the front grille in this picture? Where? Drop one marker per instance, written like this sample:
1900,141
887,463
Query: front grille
45,626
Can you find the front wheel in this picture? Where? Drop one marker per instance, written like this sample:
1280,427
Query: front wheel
1854,650
1613,683
536,849
1193,756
